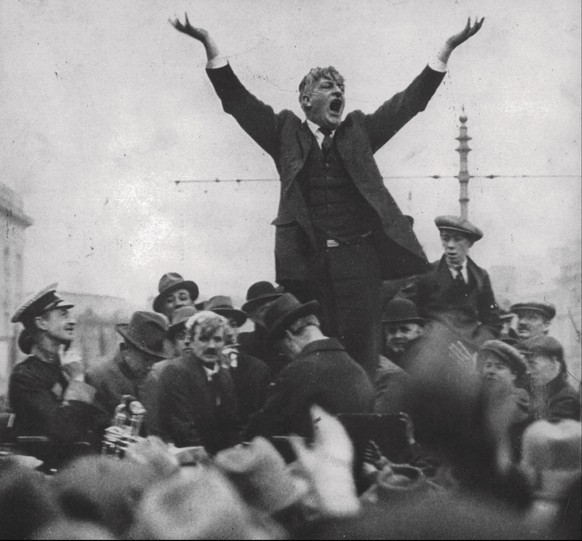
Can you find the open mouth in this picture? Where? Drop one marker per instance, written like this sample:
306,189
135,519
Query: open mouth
336,105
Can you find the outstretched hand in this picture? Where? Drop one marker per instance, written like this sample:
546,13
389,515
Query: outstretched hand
469,31
186,28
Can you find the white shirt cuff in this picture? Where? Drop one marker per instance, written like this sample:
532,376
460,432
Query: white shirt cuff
218,62
437,64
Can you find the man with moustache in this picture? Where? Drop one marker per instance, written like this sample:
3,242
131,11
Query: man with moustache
197,397
339,231
533,318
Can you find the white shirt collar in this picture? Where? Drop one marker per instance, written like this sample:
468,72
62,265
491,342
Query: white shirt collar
211,372
464,271
315,130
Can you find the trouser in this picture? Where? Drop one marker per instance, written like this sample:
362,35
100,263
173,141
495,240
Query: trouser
347,283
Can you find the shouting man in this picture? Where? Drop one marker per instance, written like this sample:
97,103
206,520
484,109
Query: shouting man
339,231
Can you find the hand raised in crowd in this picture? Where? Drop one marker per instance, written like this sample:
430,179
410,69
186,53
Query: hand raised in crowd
469,31
327,465
153,452
71,364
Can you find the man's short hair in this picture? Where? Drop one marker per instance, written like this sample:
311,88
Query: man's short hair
306,321
315,75
208,322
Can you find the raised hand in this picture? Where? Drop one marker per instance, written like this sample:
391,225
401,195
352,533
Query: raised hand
186,28
470,30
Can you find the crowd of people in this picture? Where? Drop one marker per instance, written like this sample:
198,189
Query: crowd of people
376,396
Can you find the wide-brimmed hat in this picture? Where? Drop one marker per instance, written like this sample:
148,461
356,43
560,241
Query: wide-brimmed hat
179,318
400,311
39,303
283,312
260,293
146,331
507,354
169,283
460,225
222,305
546,309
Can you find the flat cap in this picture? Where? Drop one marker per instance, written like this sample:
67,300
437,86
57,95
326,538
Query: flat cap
508,355
39,303
548,310
461,225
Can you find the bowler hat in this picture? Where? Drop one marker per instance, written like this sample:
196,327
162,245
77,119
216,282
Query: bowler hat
283,312
547,310
400,311
259,294
507,354
146,331
179,317
223,306
38,304
461,225
169,283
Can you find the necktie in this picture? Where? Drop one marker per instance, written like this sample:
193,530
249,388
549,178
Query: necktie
326,143
459,276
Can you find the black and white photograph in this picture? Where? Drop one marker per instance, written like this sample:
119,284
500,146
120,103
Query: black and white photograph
290,269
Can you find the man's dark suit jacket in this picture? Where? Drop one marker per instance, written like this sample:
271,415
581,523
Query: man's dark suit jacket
322,374
251,379
288,141
188,413
437,295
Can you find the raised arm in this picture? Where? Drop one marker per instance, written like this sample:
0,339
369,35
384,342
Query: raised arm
460,37
199,34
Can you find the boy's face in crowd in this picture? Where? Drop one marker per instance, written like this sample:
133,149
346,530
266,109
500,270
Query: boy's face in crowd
456,247
181,341
398,335
494,370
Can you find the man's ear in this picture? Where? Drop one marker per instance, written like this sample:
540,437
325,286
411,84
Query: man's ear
305,101
40,323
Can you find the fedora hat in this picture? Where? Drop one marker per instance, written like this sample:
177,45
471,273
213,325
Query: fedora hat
259,294
146,331
179,317
400,311
39,303
169,283
460,225
222,305
283,312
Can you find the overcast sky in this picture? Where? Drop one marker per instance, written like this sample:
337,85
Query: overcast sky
105,105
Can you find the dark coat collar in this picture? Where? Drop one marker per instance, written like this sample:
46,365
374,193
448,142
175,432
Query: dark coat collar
325,344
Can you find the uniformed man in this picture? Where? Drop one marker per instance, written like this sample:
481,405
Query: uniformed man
47,391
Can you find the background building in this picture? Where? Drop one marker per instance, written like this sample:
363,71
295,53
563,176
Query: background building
13,222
